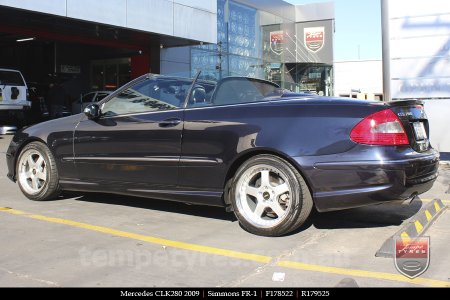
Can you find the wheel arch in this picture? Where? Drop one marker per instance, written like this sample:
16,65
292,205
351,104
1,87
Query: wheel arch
244,156
29,140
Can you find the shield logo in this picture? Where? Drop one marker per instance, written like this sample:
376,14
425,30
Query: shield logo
314,38
277,42
412,257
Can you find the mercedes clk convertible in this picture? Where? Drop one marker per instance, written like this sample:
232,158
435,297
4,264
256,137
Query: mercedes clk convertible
267,154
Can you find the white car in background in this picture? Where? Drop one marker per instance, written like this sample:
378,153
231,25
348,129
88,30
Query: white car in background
13,100
87,99
13,91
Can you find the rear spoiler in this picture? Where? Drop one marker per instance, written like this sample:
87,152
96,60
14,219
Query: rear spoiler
406,102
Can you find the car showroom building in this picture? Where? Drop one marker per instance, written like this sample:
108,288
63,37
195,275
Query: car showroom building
98,45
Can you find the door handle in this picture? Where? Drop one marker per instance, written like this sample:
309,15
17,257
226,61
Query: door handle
169,122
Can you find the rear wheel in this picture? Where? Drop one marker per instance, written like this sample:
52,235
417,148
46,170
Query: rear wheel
36,172
269,196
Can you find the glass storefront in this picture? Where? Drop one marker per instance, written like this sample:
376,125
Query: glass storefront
109,74
259,44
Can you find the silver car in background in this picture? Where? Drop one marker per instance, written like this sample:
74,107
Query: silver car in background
87,99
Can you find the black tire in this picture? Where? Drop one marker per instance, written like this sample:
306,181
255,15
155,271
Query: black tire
297,208
49,188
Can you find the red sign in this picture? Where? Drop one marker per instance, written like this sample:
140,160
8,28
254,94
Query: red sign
277,42
314,38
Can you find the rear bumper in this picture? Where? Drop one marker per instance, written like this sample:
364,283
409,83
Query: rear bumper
353,180
19,106
7,129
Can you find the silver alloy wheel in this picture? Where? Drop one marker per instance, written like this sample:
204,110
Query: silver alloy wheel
262,196
32,172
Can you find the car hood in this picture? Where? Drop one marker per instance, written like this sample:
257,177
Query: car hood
42,130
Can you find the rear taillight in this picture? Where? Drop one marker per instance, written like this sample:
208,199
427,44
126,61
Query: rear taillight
380,128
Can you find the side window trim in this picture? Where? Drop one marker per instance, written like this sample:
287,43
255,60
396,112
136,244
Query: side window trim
189,93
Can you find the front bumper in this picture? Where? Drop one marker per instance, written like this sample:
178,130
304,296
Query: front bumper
12,152
356,179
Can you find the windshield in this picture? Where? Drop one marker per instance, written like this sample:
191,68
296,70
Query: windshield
11,78
155,93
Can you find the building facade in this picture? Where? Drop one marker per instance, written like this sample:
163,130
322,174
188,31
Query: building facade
98,44
362,79
274,40
417,59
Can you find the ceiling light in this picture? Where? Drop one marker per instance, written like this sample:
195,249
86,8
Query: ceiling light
25,40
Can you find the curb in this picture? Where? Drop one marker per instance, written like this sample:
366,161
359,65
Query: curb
415,227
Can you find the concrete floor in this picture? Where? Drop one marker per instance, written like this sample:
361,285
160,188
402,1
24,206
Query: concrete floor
43,251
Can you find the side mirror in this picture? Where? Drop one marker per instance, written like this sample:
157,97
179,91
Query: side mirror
92,111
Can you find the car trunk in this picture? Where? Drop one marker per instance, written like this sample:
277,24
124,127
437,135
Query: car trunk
415,122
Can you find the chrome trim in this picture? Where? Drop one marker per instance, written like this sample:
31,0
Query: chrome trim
144,113
77,182
149,159
201,160
267,101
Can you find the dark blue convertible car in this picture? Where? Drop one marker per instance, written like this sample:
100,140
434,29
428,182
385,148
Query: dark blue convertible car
264,153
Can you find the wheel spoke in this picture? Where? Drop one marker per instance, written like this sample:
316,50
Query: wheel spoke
265,180
259,210
252,191
276,207
41,175
30,162
281,189
39,162
28,174
34,182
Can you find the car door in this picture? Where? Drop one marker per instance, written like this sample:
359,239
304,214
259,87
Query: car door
215,133
136,142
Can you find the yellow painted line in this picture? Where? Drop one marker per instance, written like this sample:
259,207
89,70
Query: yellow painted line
419,227
437,206
428,215
405,237
231,253
148,239
429,200
362,273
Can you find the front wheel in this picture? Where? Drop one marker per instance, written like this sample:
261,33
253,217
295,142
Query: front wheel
36,172
269,196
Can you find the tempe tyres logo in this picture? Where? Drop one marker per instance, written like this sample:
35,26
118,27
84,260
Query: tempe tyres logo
412,257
